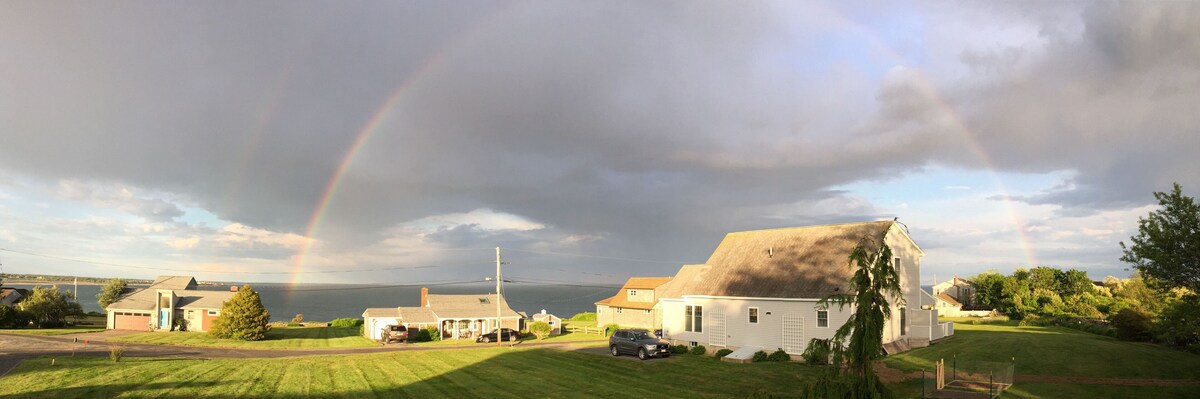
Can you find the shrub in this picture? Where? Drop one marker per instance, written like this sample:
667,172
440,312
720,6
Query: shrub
779,356
243,317
723,352
1179,324
345,322
698,350
294,324
585,316
116,352
540,329
11,317
609,329
679,349
760,356
1132,324
432,333
818,351
298,319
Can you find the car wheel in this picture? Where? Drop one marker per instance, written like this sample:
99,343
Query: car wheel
485,340
614,351
642,354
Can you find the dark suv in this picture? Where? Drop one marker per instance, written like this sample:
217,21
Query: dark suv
638,342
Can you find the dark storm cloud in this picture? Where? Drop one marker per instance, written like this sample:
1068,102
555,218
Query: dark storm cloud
655,126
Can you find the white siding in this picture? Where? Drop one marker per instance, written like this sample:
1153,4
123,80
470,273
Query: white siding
767,333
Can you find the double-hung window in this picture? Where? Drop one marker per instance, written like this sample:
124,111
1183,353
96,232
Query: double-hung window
822,318
694,315
753,312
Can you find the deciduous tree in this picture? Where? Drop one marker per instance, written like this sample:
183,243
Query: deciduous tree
1167,246
50,307
111,292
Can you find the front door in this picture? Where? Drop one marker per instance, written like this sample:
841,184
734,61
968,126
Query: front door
164,318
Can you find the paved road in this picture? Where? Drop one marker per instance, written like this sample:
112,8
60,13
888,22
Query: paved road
17,347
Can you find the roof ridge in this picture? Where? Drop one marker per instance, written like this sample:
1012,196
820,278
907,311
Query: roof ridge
809,227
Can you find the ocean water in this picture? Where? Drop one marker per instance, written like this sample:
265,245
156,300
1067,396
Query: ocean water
324,302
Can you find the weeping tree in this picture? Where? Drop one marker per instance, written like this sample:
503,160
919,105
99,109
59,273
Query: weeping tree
859,342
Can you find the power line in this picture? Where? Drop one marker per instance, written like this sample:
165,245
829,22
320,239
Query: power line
375,287
378,269
530,280
674,262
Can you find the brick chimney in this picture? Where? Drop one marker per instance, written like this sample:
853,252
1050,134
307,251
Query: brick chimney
424,297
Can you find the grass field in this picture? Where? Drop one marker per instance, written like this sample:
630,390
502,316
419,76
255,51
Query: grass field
1057,351
277,338
53,331
487,372
516,372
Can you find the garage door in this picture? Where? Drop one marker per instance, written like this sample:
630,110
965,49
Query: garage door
131,321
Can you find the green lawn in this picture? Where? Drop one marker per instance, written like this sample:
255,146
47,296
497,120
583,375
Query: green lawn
53,331
483,373
1053,351
277,338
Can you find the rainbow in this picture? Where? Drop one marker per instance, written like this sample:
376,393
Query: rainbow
398,94
370,128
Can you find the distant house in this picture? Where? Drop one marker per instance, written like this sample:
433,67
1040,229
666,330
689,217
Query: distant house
759,289
167,299
12,296
454,316
959,289
634,305
554,321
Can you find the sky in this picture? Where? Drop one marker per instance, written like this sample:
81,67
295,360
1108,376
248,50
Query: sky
401,142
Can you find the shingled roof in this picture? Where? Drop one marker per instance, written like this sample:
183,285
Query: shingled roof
184,287
621,300
801,262
468,306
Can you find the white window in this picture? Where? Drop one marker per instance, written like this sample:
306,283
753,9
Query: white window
753,312
903,322
695,318
632,292
647,311
822,318
896,264
619,310
213,312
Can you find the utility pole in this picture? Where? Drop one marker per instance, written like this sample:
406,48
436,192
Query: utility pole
499,333
76,293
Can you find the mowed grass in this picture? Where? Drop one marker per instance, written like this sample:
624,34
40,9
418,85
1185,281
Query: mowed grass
481,373
53,331
1052,351
277,338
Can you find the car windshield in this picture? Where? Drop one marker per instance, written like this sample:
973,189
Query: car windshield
640,335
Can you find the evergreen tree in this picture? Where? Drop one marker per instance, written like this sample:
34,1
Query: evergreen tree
111,292
243,317
875,280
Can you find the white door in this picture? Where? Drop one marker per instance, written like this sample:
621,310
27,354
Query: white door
793,333
716,329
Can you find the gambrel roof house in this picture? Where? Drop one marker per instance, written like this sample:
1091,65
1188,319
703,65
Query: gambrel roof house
634,305
455,316
167,299
759,289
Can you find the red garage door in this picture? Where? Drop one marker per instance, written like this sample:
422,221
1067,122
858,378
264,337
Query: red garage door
131,321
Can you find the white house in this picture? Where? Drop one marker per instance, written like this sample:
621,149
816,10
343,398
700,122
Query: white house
634,305
455,316
760,289
959,289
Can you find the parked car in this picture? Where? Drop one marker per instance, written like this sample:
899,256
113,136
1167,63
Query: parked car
392,332
506,334
638,342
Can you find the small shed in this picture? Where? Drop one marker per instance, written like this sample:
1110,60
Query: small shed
554,321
